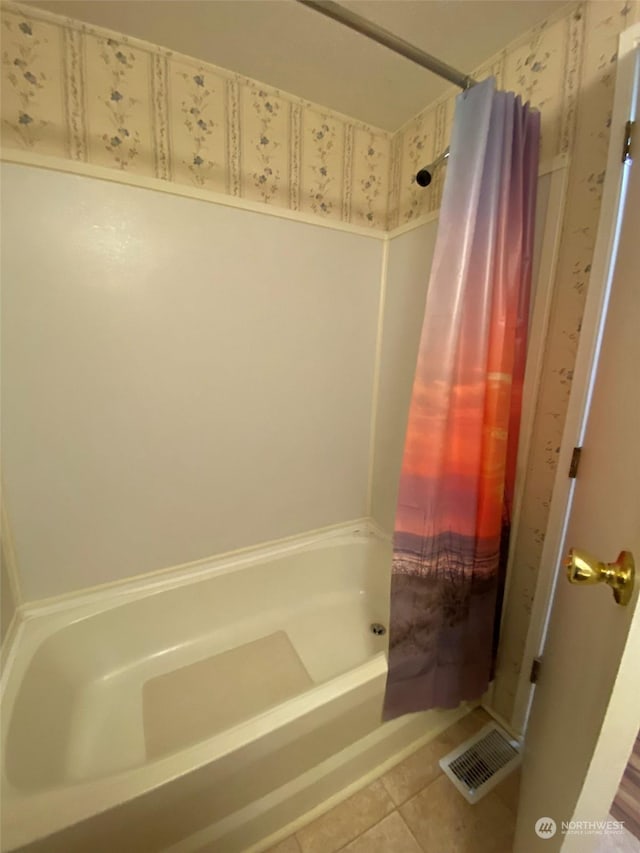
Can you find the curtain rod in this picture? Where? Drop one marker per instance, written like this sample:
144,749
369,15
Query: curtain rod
404,48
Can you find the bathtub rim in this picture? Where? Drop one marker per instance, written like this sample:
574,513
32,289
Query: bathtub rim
71,802
54,809
34,621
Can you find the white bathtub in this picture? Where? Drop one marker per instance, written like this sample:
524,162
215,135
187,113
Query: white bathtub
89,765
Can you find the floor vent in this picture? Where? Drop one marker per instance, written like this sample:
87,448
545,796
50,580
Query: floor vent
481,762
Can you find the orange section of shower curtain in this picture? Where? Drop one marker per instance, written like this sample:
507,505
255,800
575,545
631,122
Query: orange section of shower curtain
458,470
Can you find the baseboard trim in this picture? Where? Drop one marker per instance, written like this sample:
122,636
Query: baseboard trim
118,176
553,164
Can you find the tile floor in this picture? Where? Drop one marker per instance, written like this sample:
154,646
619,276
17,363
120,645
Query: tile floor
414,808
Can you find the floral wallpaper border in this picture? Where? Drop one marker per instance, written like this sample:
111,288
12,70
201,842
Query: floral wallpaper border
84,93
541,65
88,94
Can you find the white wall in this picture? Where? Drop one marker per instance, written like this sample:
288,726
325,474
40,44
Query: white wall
408,269
180,378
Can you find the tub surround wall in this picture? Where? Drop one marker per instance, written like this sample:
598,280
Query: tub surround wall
405,293
181,379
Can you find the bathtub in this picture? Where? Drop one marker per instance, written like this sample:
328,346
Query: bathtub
204,708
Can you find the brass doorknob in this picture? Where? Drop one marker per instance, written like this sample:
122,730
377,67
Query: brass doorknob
584,569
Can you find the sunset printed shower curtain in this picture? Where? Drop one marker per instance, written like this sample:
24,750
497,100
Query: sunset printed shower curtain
458,471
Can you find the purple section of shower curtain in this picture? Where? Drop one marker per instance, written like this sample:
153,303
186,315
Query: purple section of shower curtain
458,470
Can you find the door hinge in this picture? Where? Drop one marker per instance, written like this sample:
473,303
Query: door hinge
575,462
629,133
535,670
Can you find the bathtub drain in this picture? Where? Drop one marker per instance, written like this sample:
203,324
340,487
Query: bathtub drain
378,629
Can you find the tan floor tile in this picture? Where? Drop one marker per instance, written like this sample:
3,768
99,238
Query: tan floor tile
464,728
391,835
289,845
480,716
509,791
346,821
441,819
421,768
468,725
415,772
505,843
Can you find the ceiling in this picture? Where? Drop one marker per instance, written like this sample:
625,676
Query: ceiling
293,48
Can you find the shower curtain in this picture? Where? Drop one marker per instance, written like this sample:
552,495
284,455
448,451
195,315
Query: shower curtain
458,470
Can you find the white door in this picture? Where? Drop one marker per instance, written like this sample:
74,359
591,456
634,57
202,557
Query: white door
586,705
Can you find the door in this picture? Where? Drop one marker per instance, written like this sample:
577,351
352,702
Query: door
586,706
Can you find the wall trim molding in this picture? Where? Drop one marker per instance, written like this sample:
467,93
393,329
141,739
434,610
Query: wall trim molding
536,350
103,173
554,164
425,219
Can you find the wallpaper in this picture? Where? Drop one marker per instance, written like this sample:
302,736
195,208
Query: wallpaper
584,133
86,94
79,92
542,66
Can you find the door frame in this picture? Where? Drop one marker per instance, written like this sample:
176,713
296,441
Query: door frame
604,258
